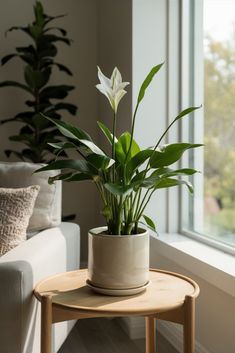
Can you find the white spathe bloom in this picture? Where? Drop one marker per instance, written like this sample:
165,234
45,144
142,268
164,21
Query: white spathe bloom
112,88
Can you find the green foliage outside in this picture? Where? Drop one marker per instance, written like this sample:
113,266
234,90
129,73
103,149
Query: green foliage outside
38,59
220,133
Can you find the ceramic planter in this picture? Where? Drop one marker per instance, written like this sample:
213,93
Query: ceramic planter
118,264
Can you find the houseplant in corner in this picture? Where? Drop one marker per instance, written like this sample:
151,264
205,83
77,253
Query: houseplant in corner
39,61
126,177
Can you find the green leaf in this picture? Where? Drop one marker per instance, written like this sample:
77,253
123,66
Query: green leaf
52,38
56,92
186,112
68,177
15,84
149,222
136,161
106,132
79,165
92,147
6,58
63,145
52,18
168,182
68,130
63,68
61,30
169,154
16,28
118,190
71,108
171,172
147,81
39,13
122,147
36,78
100,162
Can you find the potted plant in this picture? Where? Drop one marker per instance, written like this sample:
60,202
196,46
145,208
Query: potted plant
39,59
126,177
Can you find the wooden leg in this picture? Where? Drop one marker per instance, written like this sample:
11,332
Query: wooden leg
46,324
150,330
189,325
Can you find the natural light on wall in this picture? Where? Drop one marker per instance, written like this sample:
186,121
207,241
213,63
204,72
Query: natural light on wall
219,120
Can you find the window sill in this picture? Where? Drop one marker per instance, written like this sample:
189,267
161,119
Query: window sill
212,265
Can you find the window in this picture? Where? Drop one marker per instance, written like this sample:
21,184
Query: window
209,51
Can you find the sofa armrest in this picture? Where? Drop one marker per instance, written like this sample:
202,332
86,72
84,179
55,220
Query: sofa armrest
47,253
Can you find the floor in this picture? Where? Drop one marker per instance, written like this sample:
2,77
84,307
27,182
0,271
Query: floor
106,336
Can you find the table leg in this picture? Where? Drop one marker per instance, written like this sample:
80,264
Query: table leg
46,324
189,325
150,333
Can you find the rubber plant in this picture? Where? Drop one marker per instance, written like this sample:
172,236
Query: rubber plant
39,59
126,177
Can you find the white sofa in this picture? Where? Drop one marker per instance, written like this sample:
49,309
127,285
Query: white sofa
48,252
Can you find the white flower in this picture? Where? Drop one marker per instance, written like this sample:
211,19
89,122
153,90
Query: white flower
112,88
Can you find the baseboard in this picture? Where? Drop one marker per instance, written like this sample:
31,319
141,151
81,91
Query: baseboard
135,328
174,334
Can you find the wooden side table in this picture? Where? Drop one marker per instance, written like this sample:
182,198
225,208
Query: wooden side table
169,296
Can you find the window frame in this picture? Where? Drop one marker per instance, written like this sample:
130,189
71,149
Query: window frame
191,94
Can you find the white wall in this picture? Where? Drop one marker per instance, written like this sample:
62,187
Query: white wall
81,58
215,319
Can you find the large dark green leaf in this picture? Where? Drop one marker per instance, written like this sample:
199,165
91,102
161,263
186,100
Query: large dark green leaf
149,222
63,68
58,92
69,131
117,189
61,30
168,182
68,177
47,50
100,162
16,28
39,13
166,172
63,145
170,154
46,38
136,161
52,18
6,58
147,81
79,165
92,147
15,84
36,78
106,132
122,148
71,108
23,137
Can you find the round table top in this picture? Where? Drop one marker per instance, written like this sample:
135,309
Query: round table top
166,291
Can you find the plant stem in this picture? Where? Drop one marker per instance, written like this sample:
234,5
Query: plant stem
132,131
114,134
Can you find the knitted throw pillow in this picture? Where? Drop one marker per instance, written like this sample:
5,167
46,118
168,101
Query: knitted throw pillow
16,207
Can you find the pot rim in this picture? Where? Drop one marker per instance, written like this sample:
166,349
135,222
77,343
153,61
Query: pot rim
96,232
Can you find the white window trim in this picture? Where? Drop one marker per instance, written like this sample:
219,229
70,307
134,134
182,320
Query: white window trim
192,71
206,262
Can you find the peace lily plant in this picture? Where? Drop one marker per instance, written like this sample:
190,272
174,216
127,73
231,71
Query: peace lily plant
126,176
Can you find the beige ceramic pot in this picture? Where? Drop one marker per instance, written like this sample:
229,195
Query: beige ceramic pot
118,264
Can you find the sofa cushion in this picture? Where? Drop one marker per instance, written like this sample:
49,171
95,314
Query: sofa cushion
16,207
47,210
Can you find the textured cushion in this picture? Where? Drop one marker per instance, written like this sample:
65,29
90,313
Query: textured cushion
16,207
47,210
